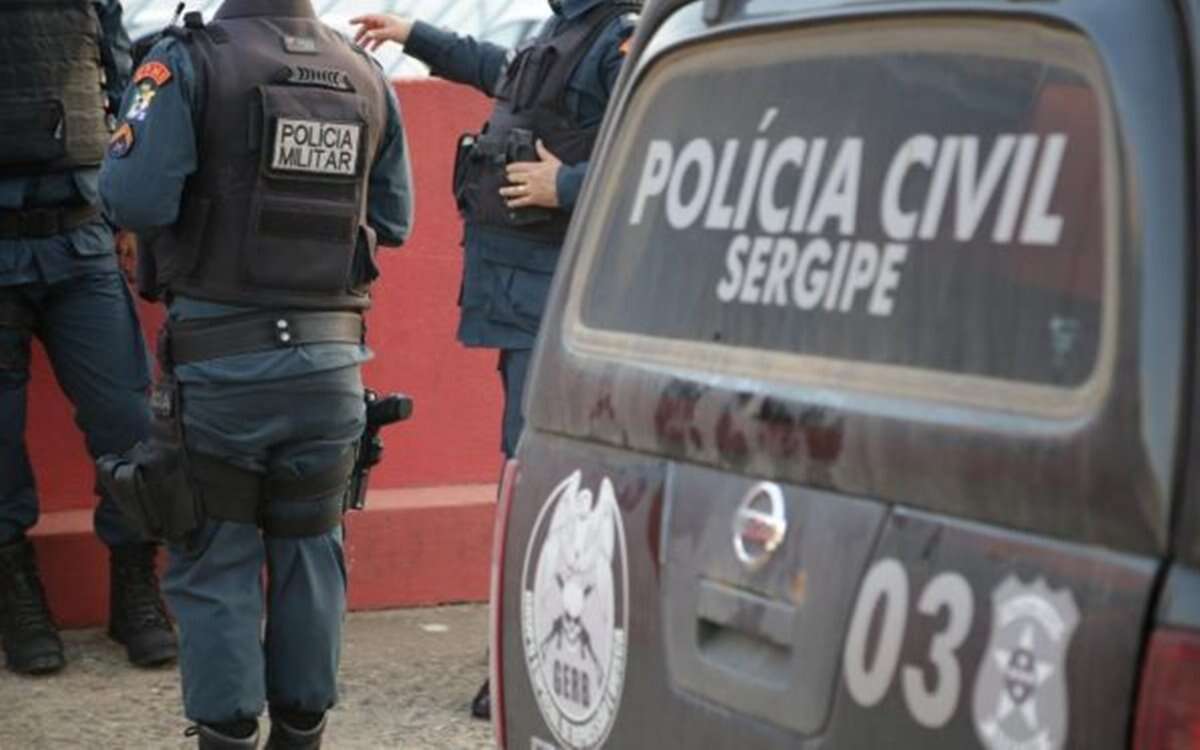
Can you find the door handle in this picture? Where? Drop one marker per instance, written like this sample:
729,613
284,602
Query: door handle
729,608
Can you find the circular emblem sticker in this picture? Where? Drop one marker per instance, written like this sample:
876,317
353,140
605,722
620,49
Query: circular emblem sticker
575,611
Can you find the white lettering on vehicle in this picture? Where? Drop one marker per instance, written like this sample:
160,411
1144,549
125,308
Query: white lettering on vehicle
1020,698
931,703
312,147
792,205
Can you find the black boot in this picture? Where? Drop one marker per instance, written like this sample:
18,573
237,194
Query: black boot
31,642
137,618
481,706
293,731
211,738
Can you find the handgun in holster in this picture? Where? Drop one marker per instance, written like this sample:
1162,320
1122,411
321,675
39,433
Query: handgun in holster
381,412
522,147
481,164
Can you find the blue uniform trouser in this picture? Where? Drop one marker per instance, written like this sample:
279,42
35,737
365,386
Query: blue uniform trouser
514,366
89,329
230,664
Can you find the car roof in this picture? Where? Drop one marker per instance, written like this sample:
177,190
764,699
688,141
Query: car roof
655,11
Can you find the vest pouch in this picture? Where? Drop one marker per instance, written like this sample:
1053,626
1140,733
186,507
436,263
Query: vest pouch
489,208
305,217
366,267
526,77
32,132
300,246
314,136
465,183
479,168
571,145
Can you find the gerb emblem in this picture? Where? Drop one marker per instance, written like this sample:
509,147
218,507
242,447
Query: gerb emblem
1021,700
574,611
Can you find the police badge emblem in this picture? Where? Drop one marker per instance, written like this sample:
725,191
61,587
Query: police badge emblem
575,611
1021,700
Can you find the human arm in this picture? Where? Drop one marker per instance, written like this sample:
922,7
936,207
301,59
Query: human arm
549,183
455,57
390,204
114,52
154,150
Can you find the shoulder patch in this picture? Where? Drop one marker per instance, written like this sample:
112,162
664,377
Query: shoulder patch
121,143
142,99
153,71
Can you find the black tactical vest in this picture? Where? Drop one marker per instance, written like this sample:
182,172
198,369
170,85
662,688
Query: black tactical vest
52,103
531,96
292,120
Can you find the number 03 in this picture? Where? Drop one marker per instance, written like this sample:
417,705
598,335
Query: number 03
886,585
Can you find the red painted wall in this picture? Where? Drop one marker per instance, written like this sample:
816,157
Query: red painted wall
454,436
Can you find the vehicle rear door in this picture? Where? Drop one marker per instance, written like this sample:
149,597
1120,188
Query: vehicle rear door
871,331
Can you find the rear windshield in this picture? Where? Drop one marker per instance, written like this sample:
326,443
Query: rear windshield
909,198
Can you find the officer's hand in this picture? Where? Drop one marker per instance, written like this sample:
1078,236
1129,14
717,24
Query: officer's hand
127,253
376,28
533,183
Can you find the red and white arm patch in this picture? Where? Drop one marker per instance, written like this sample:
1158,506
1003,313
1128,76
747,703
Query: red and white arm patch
153,71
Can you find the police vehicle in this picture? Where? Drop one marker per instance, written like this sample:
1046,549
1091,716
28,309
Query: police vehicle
863,417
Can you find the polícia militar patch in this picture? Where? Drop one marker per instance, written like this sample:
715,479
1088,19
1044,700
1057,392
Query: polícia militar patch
318,148
122,142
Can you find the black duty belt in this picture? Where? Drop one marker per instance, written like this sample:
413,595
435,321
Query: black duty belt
39,223
200,340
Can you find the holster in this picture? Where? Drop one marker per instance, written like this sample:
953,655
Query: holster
480,170
168,492
151,483
468,164
381,412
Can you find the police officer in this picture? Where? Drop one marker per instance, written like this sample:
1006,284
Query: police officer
63,67
517,183
266,156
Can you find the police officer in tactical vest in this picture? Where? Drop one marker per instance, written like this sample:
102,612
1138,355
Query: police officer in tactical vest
63,66
265,157
516,183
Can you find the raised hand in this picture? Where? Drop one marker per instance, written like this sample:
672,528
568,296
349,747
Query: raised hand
374,29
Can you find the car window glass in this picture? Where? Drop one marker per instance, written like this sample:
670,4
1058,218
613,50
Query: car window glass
916,198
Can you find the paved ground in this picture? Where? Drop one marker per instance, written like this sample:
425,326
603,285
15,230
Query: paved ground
407,678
